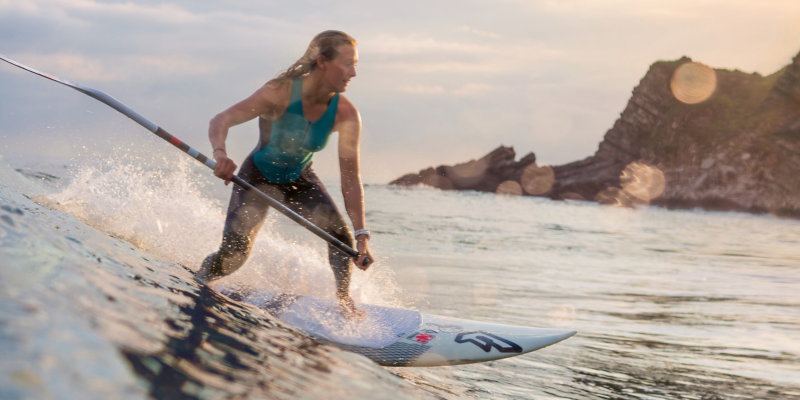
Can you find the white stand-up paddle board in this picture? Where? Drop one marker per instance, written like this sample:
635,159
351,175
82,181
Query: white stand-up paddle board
404,338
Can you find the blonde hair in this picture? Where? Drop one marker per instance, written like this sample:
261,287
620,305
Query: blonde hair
325,44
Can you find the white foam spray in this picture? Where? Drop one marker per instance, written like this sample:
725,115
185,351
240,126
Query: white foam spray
167,210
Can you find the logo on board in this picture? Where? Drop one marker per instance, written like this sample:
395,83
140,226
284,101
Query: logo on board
485,341
421,337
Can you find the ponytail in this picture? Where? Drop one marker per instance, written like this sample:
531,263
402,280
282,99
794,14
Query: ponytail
324,44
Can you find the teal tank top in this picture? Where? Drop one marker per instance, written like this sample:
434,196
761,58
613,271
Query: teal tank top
293,139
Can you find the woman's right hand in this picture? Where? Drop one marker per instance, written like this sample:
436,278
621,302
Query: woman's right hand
225,166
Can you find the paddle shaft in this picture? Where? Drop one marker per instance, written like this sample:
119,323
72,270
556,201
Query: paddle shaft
115,104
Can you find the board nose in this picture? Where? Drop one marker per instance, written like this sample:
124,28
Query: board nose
542,338
564,334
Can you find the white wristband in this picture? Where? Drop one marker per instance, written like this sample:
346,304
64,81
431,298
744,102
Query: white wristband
359,232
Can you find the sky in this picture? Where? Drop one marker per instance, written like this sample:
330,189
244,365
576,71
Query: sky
439,82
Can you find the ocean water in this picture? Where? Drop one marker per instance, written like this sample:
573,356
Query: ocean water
97,300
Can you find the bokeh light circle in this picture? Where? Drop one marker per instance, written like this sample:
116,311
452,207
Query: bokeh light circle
510,188
693,83
537,180
640,184
643,181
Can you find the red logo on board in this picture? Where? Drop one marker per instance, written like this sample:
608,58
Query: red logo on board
424,338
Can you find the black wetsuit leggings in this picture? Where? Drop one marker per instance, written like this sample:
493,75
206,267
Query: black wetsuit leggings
246,213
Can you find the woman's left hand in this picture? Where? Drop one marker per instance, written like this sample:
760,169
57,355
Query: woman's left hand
363,251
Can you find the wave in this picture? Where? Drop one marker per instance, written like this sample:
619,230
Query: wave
97,298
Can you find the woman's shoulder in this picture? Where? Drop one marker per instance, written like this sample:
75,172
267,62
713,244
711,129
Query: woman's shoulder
277,94
346,110
277,88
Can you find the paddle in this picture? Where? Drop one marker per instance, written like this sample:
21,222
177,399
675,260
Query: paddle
113,103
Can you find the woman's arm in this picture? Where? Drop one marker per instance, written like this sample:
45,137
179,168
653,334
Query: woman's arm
349,127
264,101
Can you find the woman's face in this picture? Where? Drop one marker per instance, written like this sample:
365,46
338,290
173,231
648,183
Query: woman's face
341,69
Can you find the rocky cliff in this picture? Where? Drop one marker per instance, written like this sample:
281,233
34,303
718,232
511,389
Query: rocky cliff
690,136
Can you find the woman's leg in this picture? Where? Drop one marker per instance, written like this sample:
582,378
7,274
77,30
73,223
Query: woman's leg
311,200
246,214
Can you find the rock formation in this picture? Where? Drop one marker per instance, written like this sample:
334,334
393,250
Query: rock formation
739,149
484,174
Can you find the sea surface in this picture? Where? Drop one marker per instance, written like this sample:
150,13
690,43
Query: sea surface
97,299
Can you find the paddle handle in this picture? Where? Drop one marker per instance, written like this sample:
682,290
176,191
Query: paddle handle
115,104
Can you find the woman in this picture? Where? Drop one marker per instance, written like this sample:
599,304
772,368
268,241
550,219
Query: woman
297,113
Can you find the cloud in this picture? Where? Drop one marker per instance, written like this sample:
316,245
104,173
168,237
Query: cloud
392,44
479,32
467,90
83,69
436,56
449,67
39,10
171,65
477,89
75,9
421,89
671,11
385,43
72,67
665,13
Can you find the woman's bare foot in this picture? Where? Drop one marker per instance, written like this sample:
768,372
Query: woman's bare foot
206,274
348,308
